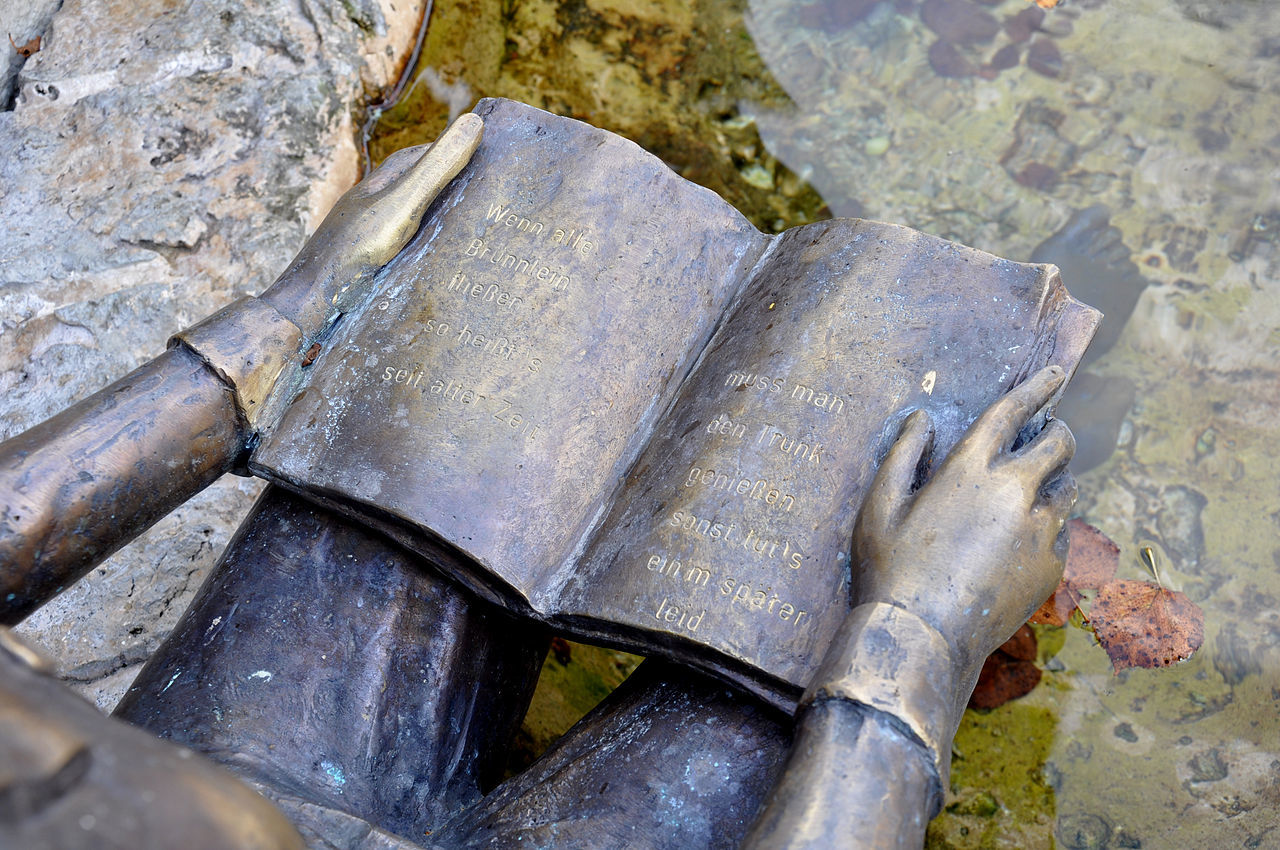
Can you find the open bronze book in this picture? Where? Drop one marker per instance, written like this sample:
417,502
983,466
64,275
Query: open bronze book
600,397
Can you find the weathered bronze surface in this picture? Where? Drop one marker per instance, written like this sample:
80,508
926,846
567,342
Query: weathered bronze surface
78,487
532,397
671,759
735,533
945,571
515,356
854,779
331,667
81,485
71,778
246,344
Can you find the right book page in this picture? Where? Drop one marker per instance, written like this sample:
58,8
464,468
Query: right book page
733,532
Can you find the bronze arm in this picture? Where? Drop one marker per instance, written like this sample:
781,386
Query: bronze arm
81,485
89,480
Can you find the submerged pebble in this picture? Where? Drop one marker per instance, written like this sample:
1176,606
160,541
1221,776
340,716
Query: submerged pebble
959,21
1208,766
1023,25
1058,26
1038,176
1045,58
1084,831
947,61
1124,731
877,146
1005,58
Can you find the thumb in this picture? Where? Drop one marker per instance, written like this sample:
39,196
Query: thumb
421,182
389,171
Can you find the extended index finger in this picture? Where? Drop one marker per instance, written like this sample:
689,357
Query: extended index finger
890,492
997,428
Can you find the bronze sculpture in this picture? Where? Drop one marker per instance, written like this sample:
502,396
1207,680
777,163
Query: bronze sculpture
948,572
70,777
654,440
1030,505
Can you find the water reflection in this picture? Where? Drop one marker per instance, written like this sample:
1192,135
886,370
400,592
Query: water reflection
1093,258
1004,126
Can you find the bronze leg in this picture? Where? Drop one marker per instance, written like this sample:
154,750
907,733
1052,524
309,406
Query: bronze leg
673,758
328,665
71,779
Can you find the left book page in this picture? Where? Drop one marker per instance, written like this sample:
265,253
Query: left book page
482,407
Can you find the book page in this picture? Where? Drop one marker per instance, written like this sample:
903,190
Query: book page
517,353
735,531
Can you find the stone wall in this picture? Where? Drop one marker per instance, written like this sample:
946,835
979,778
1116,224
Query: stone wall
159,158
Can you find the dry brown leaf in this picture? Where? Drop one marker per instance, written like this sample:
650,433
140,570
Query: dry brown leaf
1138,623
1009,672
1092,559
1022,646
1056,610
1141,624
1091,563
27,49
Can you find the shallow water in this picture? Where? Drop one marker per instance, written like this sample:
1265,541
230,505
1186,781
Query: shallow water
1167,112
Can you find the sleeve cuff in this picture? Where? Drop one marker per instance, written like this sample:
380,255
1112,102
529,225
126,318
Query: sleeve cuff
892,661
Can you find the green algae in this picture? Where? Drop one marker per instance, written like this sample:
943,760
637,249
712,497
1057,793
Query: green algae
666,74
1000,790
575,677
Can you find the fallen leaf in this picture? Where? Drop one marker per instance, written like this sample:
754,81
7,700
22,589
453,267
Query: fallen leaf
1138,623
562,650
1091,563
1046,4
1056,610
1022,646
27,49
1141,624
1008,673
1092,559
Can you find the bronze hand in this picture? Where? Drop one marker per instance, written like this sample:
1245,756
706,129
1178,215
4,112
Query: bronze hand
945,572
367,227
980,544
